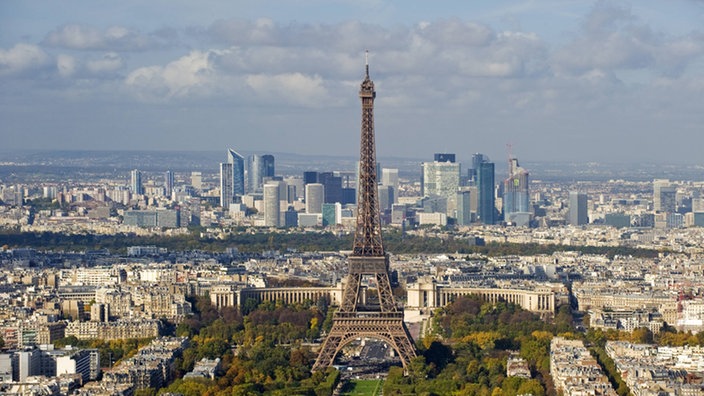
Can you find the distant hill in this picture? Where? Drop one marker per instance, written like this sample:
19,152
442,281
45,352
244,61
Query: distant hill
27,166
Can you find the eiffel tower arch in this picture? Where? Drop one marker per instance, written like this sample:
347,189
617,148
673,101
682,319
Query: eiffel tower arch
381,319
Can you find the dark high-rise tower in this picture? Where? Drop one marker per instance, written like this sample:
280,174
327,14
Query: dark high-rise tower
268,165
333,186
477,159
577,214
380,319
444,157
168,183
485,186
310,177
237,161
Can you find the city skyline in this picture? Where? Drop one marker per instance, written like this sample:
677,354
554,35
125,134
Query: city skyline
586,81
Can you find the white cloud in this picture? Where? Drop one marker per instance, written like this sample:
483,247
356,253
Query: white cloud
455,32
66,65
612,38
109,63
115,38
187,76
21,58
292,88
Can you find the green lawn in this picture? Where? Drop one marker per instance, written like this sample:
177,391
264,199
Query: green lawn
364,388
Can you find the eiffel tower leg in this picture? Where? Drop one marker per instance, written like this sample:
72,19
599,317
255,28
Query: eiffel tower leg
386,298
326,356
403,345
350,294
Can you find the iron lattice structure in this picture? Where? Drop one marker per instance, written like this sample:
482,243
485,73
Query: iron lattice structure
355,318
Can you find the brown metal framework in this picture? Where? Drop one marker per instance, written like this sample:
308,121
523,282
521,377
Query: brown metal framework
383,320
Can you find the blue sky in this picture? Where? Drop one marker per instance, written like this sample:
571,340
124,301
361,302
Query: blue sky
605,81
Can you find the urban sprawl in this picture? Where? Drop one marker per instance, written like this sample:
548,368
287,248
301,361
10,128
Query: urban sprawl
49,293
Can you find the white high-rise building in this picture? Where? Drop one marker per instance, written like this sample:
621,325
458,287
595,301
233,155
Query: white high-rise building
389,177
442,179
226,190
49,192
315,196
272,205
197,180
255,173
136,182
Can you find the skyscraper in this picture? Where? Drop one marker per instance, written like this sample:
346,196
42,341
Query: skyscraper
268,166
333,186
237,161
664,196
577,209
310,177
315,196
226,197
168,183
516,199
442,179
197,180
463,213
444,157
389,177
485,185
255,173
136,182
476,160
332,213
386,197
272,205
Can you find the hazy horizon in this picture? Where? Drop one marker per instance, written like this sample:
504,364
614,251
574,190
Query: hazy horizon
556,80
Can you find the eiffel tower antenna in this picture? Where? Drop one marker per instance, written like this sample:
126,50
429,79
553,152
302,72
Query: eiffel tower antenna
366,61
355,318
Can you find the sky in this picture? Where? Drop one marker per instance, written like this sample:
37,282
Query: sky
602,81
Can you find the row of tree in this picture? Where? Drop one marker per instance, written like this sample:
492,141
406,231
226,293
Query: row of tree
256,242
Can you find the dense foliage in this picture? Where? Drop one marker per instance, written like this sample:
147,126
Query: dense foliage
477,339
262,352
111,352
255,242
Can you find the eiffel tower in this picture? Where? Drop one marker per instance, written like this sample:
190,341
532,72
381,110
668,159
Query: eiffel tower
356,318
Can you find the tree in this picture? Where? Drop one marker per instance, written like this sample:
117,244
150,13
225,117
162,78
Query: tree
190,387
531,387
438,355
641,335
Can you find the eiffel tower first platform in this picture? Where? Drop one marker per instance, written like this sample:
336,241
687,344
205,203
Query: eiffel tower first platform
379,319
